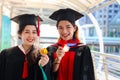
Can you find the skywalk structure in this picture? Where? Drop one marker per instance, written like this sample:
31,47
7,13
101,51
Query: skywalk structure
106,65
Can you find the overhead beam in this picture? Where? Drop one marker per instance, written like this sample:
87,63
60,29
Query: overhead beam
77,5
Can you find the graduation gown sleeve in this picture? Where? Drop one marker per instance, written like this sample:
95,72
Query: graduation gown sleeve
83,65
2,65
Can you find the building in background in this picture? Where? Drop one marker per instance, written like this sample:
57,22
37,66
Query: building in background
109,21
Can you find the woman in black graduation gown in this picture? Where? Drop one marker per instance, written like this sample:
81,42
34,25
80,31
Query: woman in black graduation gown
71,59
22,62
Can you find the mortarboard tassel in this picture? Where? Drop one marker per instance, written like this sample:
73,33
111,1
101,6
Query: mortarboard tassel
38,26
25,69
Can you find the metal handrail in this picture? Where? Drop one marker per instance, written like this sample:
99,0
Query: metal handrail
110,65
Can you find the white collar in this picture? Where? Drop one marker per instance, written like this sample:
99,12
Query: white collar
21,48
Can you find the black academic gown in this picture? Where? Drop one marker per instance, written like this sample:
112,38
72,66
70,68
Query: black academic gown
83,64
11,66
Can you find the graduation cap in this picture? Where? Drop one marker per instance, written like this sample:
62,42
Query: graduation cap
66,14
28,19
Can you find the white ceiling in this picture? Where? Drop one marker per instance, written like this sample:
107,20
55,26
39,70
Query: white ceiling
45,7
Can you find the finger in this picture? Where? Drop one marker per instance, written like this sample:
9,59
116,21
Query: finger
45,58
39,63
43,54
60,48
44,61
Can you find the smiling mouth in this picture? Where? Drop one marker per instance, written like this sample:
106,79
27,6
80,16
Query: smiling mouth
66,36
30,40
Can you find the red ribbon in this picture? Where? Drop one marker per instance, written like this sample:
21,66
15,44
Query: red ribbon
25,70
38,27
62,43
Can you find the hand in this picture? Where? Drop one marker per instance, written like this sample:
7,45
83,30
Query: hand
44,60
60,53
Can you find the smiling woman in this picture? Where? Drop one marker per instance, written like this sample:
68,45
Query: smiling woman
71,59
24,62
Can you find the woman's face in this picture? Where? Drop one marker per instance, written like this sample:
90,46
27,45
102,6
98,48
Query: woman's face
66,30
29,35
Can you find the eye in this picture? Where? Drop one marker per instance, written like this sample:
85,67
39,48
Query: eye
60,28
34,32
26,31
68,26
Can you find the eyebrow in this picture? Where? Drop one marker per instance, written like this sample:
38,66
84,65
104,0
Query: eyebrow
29,30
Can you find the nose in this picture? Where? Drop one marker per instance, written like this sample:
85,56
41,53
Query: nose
30,34
64,30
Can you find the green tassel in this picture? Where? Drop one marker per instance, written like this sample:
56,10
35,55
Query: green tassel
44,75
